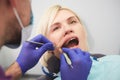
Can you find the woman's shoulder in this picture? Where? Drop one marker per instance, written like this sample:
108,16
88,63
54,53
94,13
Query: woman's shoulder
107,67
110,58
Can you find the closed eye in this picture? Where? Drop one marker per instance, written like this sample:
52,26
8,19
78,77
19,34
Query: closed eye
73,21
56,28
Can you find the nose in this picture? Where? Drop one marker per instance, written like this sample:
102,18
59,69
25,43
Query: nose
67,30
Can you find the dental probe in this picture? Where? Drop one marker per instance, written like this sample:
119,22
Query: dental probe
35,42
68,60
65,55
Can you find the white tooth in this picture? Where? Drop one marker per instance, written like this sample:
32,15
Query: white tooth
72,38
69,41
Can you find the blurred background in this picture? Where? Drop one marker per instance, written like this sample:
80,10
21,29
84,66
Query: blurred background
100,17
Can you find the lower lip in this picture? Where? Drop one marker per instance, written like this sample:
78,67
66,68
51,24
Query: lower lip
74,47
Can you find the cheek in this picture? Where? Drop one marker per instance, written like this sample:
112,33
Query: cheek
80,31
54,37
81,34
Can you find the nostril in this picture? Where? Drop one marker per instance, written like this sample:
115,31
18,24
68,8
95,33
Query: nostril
68,32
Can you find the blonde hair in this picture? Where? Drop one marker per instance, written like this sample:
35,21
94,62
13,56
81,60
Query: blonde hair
46,22
48,18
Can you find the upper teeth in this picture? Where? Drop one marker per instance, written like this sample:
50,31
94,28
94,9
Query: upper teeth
69,41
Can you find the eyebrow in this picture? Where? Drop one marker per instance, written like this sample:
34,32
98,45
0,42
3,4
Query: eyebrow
57,23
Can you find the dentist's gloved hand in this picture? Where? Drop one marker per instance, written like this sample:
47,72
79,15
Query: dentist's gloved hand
81,63
29,55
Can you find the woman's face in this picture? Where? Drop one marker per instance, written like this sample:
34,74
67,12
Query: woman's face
67,31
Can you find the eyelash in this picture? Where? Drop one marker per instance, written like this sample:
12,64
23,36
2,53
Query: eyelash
72,22
54,29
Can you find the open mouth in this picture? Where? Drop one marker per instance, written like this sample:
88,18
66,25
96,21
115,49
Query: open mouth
71,42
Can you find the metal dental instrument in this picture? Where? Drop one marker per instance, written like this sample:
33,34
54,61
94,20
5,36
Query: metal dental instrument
68,60
35,42
65,55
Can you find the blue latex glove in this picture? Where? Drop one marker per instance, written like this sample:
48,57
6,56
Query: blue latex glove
81,63
29,55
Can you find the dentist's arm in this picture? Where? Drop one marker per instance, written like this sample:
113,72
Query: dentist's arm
29,56
14,71
81,63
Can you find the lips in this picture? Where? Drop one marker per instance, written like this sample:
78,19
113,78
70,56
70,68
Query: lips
71,42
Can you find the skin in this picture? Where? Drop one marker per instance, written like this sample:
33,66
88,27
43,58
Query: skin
65,27
10,29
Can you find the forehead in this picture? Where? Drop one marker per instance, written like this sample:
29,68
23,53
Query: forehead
63,15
